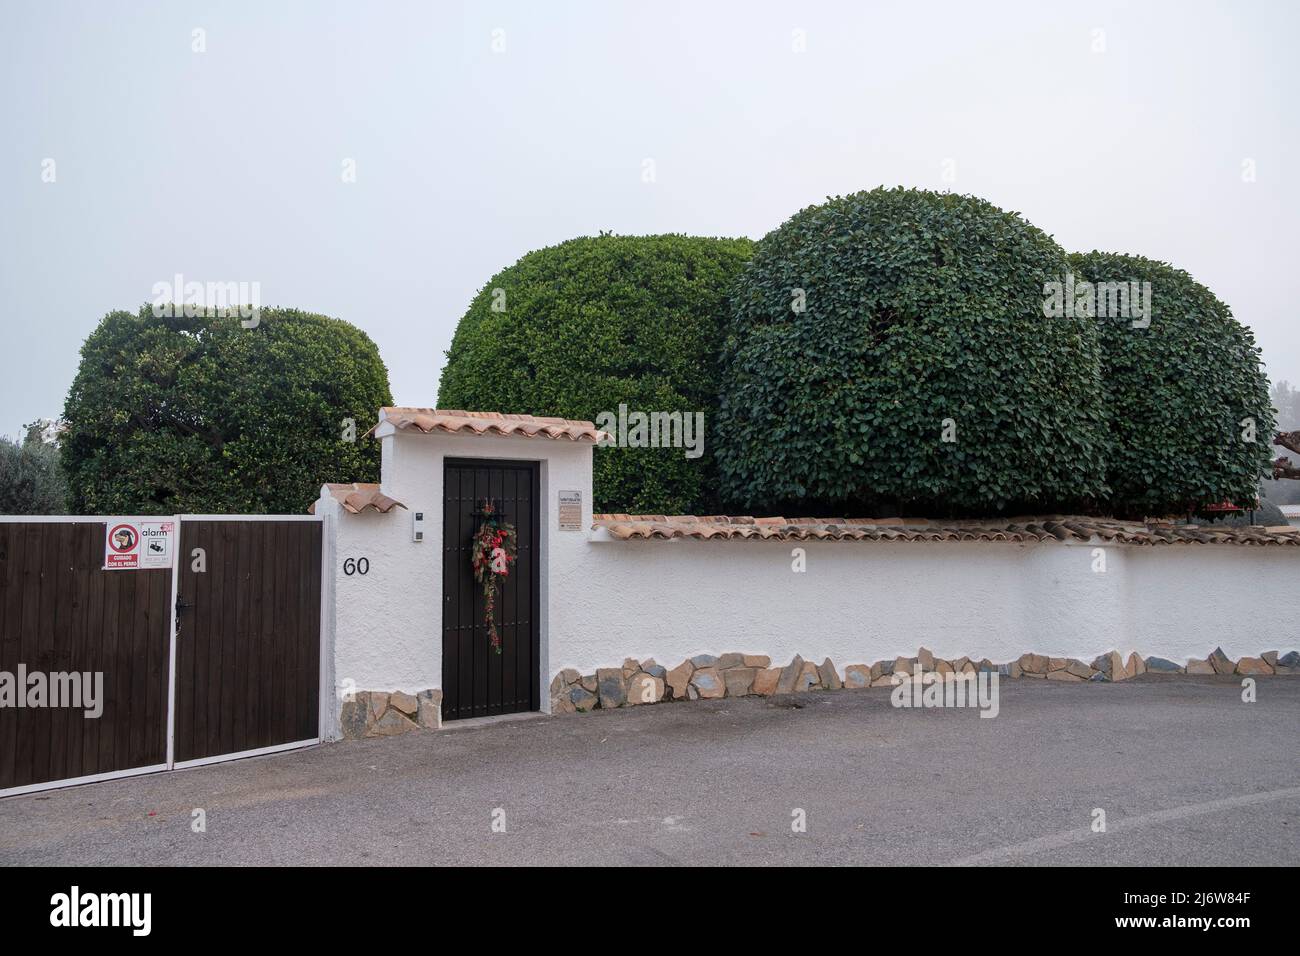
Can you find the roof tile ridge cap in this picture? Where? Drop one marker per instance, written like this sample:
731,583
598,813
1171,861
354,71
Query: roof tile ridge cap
385,503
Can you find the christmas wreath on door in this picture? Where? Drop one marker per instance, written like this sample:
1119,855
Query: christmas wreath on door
494,550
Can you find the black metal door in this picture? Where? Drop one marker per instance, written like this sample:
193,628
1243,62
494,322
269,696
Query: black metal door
476,680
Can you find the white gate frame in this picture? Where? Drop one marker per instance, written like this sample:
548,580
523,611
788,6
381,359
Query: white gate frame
326,693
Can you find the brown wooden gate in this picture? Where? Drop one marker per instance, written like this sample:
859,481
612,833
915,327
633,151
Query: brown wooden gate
477,681
247,659
60,613
247,636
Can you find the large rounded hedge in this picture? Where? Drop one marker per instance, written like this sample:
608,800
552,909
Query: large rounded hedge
583,327
1177,393
920,307
202,415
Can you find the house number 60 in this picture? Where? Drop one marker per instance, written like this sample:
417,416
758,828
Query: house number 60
356,566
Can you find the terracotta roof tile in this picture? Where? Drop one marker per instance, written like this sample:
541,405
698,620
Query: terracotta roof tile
490,423
1023,529
356,497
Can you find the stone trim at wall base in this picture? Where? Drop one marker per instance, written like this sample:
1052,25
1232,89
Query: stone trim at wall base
375,713
748,675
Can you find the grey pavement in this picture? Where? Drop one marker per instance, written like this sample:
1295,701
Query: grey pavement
1185,771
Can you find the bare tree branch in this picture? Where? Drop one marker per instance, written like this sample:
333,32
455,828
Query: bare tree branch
1282,468
1288,440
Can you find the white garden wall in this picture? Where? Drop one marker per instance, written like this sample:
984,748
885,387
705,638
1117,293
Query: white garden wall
604,600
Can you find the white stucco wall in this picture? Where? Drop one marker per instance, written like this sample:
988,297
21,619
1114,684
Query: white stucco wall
604,600
388,622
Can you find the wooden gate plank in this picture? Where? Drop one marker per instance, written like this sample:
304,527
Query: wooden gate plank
282,624
309,634
95,636
209,671
294,554
11,580
78,658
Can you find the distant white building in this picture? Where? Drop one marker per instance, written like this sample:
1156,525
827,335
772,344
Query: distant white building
1292,513
46,430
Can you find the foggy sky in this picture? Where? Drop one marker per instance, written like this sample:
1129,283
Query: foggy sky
226,165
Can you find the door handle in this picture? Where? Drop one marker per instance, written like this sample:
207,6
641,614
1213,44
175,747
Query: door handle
180,611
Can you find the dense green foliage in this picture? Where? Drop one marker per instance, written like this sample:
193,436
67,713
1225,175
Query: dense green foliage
202,415
1178,394
31,481
920,307
577,329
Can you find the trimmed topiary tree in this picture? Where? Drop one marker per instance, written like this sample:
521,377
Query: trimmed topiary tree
203,415
888,351
1188,413
578,329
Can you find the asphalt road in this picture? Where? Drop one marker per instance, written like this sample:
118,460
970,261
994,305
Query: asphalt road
1185,772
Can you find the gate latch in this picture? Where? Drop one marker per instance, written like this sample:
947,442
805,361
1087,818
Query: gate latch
180,611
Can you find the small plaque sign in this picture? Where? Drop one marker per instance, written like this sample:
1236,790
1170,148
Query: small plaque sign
134,544
570,510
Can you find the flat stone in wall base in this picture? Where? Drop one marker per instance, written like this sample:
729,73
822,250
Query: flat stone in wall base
734,674
739,681
857,676
707,683
429,715
352,717
373,713
765,680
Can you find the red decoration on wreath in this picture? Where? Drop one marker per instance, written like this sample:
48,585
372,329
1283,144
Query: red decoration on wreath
493,551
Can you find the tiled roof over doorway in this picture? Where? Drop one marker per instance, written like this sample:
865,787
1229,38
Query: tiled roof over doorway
489,423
